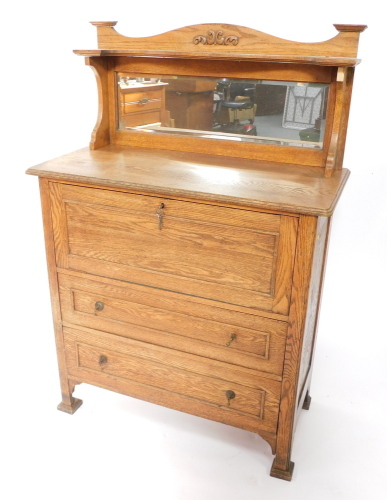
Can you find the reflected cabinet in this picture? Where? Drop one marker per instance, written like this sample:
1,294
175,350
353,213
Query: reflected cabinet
186,246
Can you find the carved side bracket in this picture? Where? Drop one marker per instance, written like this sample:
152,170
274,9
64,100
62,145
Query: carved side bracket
100,136
335,155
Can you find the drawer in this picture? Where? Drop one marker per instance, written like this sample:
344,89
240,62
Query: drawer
145,105
230,255
135,95
105,357
175,321
143,118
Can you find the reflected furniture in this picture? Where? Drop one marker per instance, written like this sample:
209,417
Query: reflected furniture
190,103
142,104
186,267
241,109
230,112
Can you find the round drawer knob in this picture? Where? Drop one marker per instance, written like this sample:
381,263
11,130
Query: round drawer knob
103,360
99,306
230,395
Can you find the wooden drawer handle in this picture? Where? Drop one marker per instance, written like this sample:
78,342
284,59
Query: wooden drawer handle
230,395
232,337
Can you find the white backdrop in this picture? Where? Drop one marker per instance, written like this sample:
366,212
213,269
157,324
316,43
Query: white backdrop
120,448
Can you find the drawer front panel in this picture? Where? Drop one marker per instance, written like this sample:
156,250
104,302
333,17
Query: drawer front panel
145,105
136,96
107,356
173,321
143,118
234,256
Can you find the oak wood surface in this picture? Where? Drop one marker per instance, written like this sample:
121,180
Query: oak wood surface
313,314
101,133
182,253
251,316
178,402
296,59
293,350
247,43
219,69
246,53
221,180
319,255
170,370
69,404
173,321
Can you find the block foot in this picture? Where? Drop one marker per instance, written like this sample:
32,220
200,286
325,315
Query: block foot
282,474
307,401
70,408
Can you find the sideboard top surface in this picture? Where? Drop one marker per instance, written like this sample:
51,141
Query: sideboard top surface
215,179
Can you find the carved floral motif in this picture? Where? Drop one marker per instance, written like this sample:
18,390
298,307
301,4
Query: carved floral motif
216,39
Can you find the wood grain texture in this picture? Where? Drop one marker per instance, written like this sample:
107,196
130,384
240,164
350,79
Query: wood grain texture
59,224
293,350
69,404
260,185
284,266
101,134
319,256
251,316
259,152
342,135
169,370
179,402
219,69
117,235
249,44
313,314
221,56
174,321
340,98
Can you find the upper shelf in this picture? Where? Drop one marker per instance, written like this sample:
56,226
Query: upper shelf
227,41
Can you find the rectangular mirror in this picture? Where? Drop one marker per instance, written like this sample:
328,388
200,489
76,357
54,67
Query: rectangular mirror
258,111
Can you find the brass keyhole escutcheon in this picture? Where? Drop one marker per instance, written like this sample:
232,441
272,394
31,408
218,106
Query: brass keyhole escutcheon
102,360
232,337
230,395
160,214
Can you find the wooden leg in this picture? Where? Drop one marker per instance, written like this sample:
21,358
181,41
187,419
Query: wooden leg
307,401
69,404
285,474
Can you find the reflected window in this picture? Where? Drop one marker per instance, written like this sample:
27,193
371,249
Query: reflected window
259,111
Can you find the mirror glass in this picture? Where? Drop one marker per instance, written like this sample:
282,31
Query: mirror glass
259,111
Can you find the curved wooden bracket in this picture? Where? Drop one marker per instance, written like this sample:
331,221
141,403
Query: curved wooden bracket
101,135
335,155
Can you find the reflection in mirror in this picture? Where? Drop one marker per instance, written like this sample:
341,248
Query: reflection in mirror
259,111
